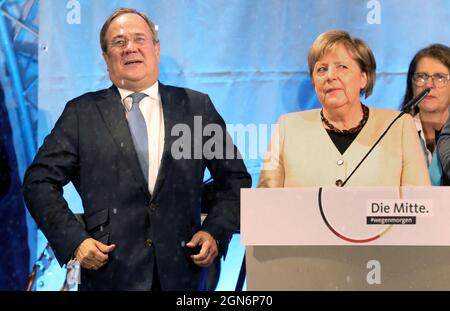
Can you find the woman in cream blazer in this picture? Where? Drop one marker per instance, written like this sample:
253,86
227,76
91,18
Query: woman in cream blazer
322,147
302,153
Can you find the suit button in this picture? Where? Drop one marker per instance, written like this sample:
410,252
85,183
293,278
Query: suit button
339,183
340,162
149,242
153,206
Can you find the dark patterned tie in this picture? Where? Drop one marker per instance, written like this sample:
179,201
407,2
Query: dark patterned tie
138,129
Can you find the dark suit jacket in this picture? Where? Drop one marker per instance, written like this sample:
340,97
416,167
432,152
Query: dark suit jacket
91,146
443,148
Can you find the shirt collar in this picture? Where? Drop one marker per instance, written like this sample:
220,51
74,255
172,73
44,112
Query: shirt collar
419,125
152,92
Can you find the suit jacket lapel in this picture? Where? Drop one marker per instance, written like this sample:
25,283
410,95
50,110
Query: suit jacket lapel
173,112
112,111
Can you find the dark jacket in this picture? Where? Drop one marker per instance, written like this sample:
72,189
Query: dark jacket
443,148
91,147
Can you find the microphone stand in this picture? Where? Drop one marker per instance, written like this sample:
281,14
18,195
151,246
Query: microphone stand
409,106
374,145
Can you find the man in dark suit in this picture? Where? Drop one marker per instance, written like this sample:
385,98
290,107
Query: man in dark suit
141,202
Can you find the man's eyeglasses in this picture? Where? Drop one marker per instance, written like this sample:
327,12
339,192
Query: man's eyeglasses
122,42
439,79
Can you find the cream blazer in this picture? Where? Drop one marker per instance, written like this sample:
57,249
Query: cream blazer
301,153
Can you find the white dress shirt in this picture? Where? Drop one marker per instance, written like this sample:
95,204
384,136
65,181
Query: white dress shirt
151,108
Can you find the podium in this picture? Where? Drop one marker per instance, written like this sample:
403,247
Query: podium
361,238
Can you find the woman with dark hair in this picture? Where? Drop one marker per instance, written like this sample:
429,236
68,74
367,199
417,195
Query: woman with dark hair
430,67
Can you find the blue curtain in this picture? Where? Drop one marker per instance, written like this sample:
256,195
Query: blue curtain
14,254
248,55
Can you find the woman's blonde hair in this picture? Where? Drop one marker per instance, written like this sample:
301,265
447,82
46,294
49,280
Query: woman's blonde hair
359,50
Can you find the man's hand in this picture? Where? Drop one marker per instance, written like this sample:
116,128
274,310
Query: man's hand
92,254
209,249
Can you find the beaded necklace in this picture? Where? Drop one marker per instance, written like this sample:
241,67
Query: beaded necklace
353,129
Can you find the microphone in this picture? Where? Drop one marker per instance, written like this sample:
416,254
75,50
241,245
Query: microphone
416,100
408,107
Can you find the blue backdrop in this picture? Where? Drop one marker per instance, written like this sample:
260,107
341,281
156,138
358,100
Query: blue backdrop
14,252
248,55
